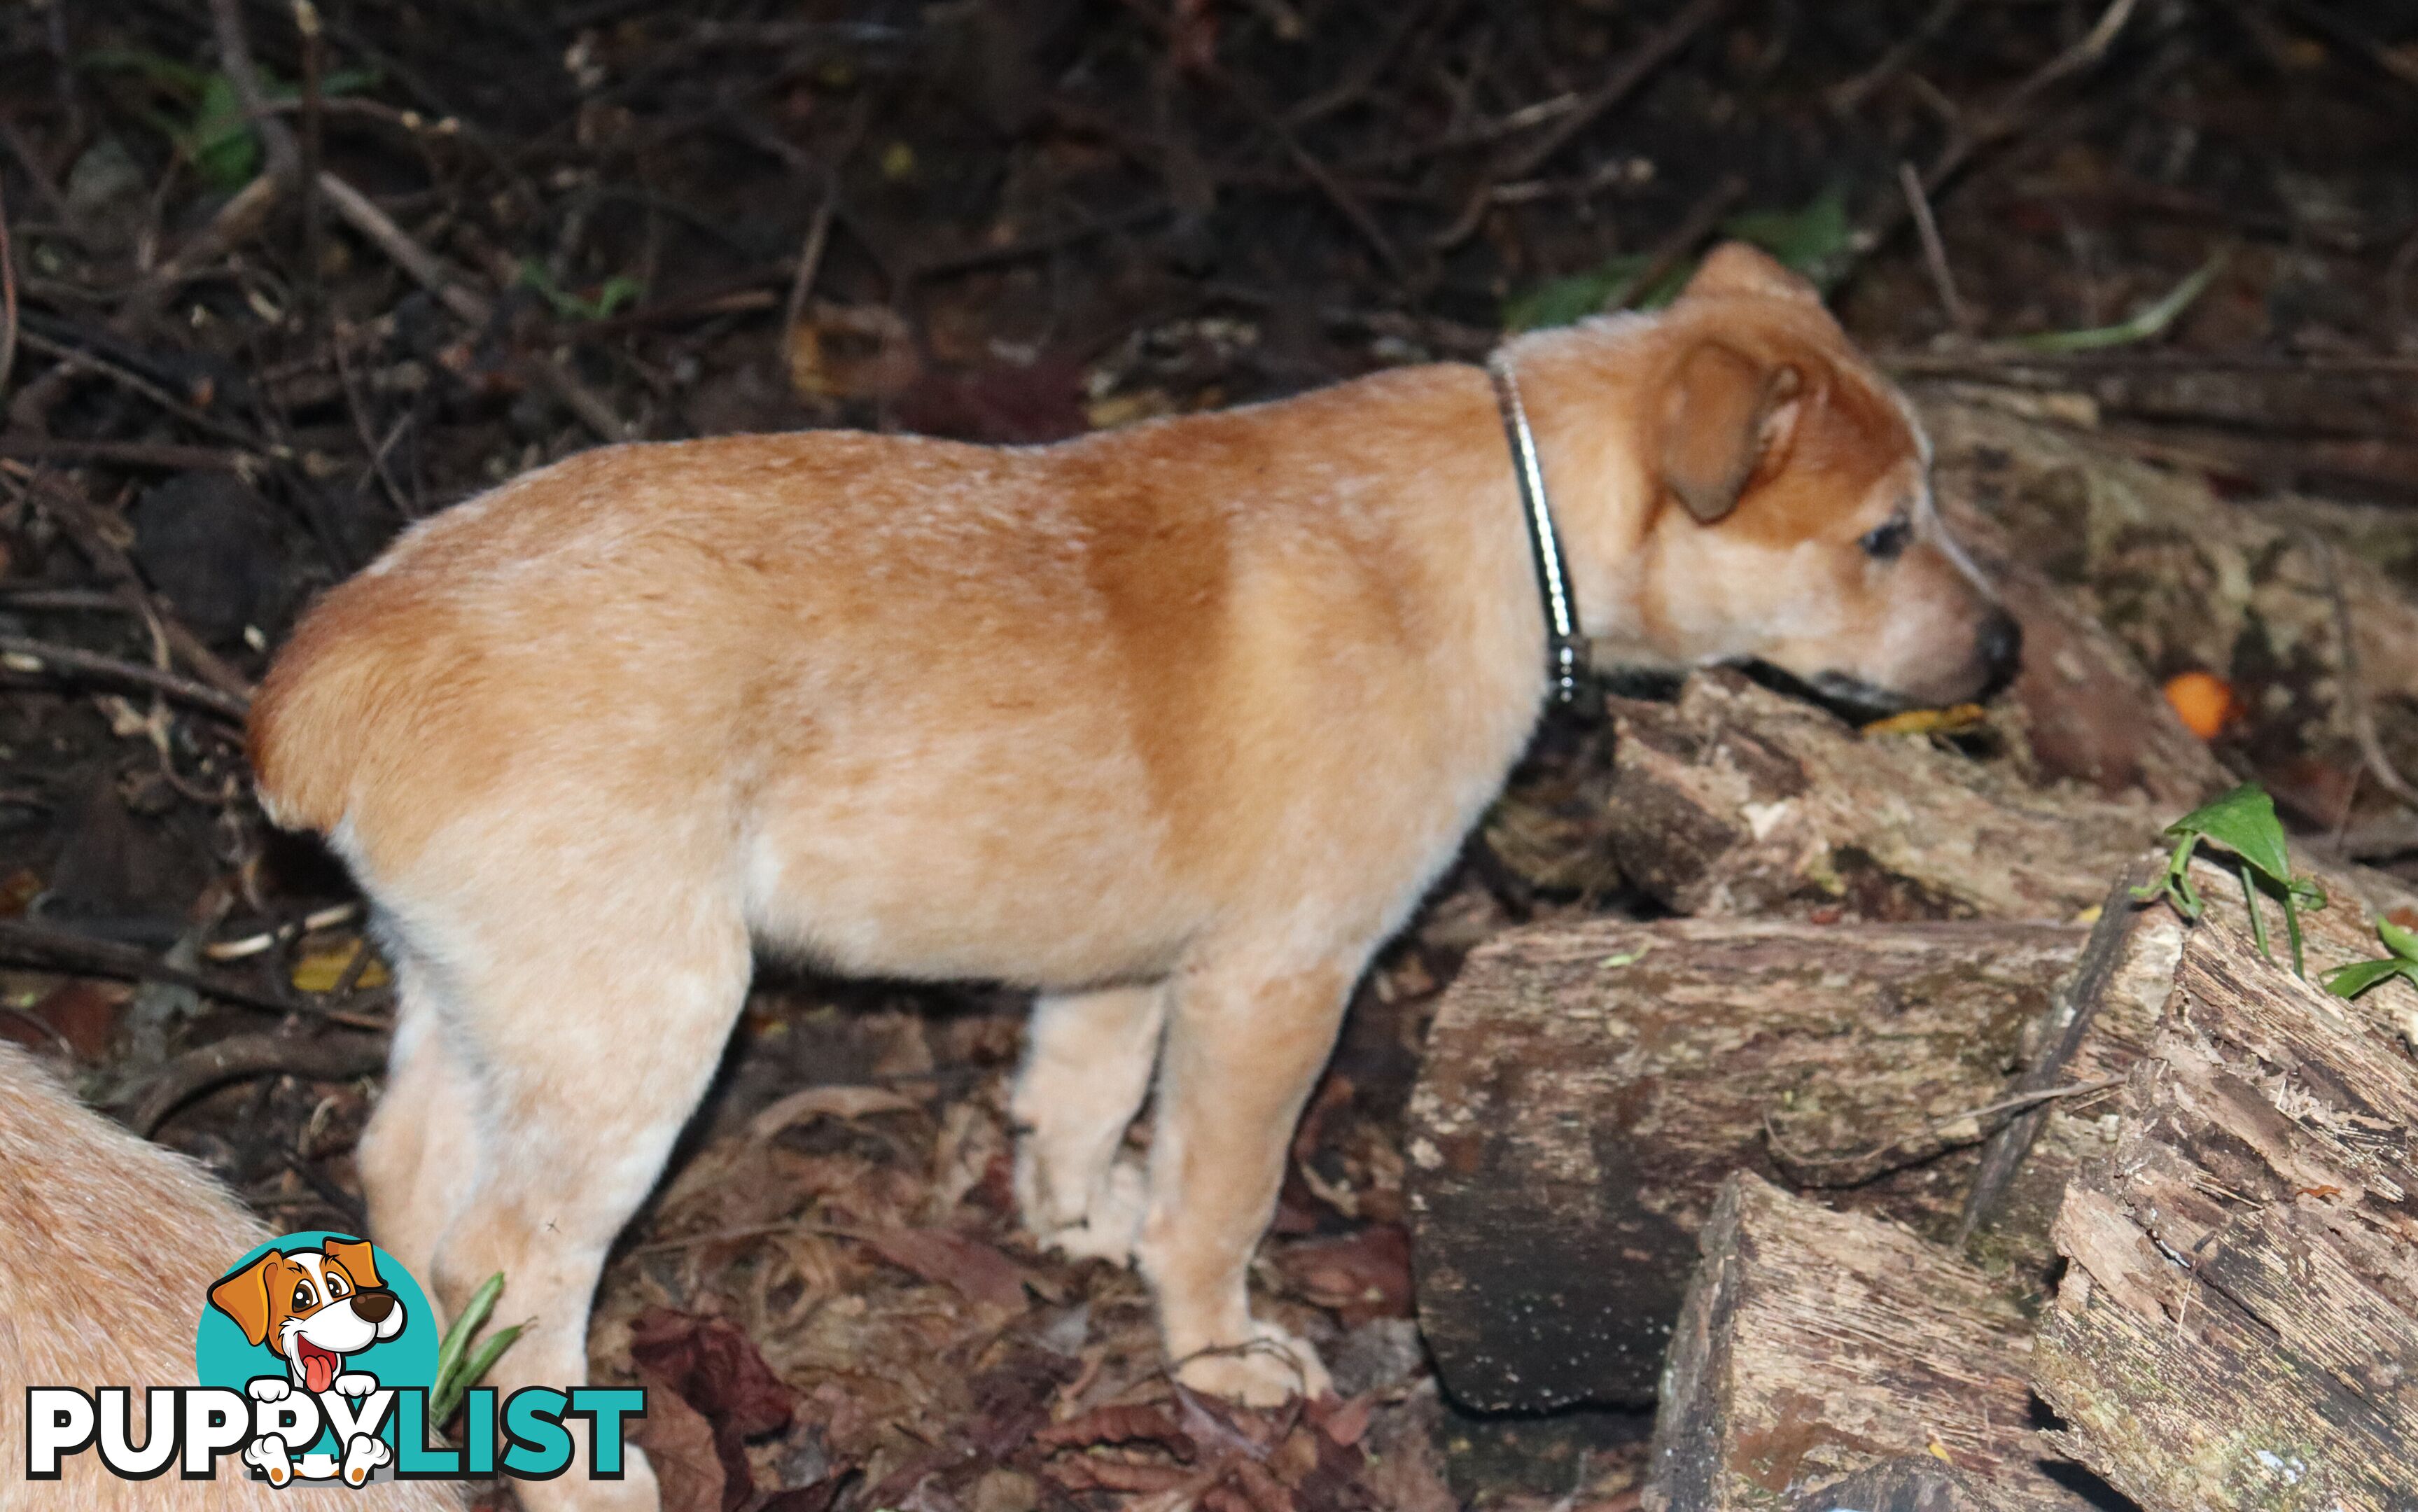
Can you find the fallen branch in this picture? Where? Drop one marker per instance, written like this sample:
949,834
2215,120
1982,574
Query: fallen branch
37,656
1635,69
55,951
2094,975
242,1057
1871,1164
82,525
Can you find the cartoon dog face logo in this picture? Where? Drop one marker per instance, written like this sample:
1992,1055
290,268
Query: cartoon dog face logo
312,1307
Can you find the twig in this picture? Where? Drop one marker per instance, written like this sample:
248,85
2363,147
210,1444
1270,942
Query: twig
2354,687
163,455
579,399
7,301
1633,71
242,215
1667,254
51,950
1344,201
254,944
2094,973
241,1056
74,358
2386,60
416,261
306,22
22,655
1998,122
1934,255
1869,1165
810,257
455,293
75,517
1846,97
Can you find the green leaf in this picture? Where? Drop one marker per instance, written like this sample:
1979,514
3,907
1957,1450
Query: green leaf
1566,300
2350,981
616,291
474,1317
2244,822
221,144
449,1394
2150,321
2401,941
1816,240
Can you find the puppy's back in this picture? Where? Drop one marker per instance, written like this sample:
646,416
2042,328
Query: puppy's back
108,1246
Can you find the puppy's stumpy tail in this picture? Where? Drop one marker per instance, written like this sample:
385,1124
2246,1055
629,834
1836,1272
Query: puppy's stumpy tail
315,721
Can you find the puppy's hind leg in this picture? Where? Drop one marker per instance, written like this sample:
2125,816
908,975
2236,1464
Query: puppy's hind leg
592,1035
1087,1064
416,1155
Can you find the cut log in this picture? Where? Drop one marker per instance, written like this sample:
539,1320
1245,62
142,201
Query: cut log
1587,1088
1737,801
2238,1324
2024,1173
1814,1345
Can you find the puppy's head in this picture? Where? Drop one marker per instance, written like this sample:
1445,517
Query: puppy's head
311,1307
1792,520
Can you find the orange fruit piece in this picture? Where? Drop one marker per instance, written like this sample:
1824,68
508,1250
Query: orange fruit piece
2205,701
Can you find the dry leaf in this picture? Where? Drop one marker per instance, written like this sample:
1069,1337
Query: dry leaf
975,1268
319,970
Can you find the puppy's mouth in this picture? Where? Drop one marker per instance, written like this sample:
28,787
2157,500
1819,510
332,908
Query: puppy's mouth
319,1366
1851,698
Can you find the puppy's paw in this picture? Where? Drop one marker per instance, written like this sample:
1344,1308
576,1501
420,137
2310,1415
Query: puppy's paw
362,1455
269,1388
266,1454
1273,1369
356,1384
1108,1231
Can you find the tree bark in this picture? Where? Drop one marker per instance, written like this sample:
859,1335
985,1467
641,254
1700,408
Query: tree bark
1587,1088
1816,1345
2238,1324
1913,1483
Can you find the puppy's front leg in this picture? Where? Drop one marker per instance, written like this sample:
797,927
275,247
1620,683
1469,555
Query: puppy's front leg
1242,1050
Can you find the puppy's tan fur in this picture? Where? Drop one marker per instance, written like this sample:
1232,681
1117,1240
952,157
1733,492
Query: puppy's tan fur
108,1248
1173,724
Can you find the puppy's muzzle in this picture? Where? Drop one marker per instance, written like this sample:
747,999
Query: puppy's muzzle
1999,645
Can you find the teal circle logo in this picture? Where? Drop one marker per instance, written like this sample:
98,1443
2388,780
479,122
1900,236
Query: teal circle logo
319,1311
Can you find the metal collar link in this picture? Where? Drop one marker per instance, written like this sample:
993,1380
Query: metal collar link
1563,647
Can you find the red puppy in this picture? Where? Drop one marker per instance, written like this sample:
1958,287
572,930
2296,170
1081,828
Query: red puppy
1172,725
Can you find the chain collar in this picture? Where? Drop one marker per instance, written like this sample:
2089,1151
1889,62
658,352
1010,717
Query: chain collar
1563,645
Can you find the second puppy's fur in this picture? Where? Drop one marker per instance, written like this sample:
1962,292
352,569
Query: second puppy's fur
1173,724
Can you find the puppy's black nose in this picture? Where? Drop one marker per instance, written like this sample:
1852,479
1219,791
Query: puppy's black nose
372,1306
2000,646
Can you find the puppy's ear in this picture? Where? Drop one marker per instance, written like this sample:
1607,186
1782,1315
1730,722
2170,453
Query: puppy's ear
1734,267
243,1295
1724,417
358,1258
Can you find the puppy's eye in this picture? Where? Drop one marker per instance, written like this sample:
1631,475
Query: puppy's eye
302,1295
1885,541
336,1287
